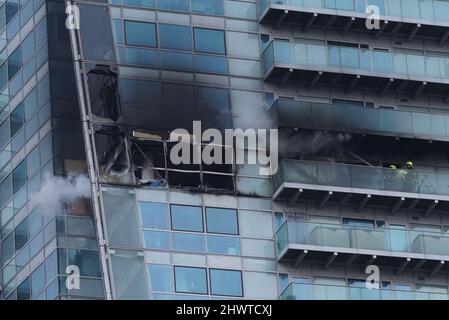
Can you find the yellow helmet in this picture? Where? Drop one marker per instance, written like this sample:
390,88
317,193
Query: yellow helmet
409,165
392,166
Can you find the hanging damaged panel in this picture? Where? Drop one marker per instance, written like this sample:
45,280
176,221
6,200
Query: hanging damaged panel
103,93
113,154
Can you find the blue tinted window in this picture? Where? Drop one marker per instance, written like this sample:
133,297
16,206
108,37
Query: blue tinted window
140,33
176,60
209,40
190,280
14,63
175,5
213,99
142,57
226,282
139,3
213,7
38,280
222,220
161,277
186,218
27,47
86,260
118,31
188,242
223,245
3,74
154,215
156,239
175,37
7,248
212,64
21,234
23,290
19,177
17,119
141,92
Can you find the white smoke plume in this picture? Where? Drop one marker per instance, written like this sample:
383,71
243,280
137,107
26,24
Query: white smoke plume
56,190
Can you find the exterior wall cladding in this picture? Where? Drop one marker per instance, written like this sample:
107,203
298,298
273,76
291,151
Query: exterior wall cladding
349,104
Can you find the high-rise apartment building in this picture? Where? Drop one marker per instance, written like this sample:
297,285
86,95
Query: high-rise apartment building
360,101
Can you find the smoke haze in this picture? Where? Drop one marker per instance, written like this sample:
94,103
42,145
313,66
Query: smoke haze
56,190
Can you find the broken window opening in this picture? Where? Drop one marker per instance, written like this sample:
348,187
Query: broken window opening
104,94
114,156
153,166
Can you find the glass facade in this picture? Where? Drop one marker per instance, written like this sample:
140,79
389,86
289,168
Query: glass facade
363,163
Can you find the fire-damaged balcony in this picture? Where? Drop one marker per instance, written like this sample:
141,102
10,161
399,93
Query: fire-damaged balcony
360,186
407,20
349,68
305,291
327,244
289,113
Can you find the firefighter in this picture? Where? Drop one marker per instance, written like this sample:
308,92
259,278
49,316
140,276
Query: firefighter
409,165
411,180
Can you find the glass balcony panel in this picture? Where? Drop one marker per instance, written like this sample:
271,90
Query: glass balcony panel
364,294
364,177
306,172
268,57
393,121
327,117
395,239
434,244
368,239
330,236
345,5
367,177
400,63
329,173
300,234
316,55
334,293
282,52
433,67
416,65
421,123
334,56
445,67
299,291
394,8
441,10
438,125
382,61
433,11
423,182
312,3
300,53
410,9
441,183
349,57
362,118
282,239
426,11
365,60
378,3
